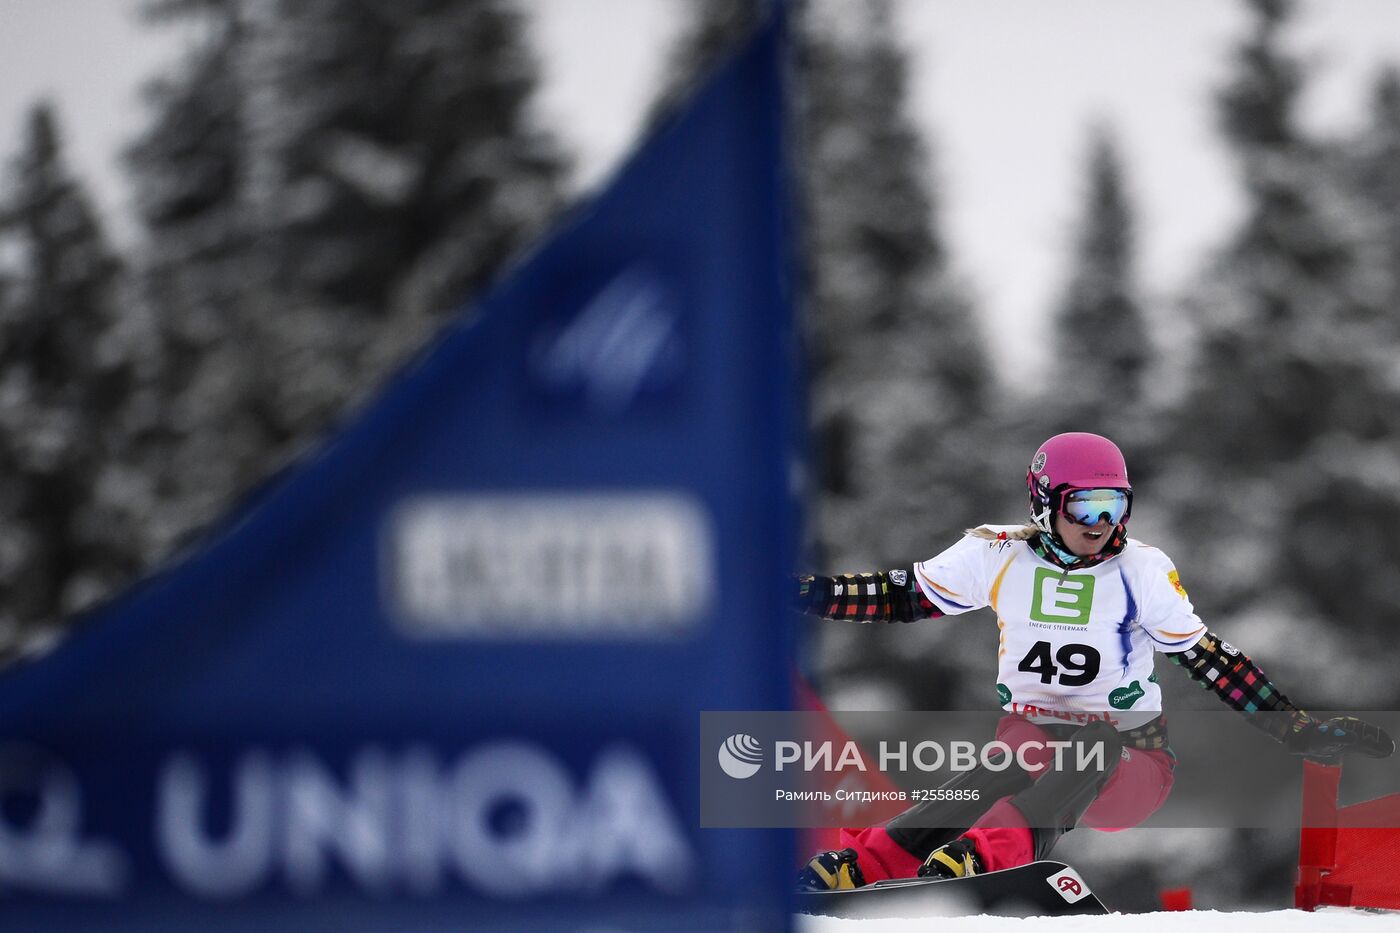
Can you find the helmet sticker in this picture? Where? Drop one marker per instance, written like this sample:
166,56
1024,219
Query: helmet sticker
1038,463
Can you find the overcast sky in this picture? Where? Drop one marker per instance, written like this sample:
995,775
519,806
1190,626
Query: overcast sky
1006,90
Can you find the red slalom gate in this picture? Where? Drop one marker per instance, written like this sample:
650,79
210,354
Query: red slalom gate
1347,856
848,813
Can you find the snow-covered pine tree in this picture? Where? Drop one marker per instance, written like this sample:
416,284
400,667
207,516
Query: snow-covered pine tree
899,375
1264,380
1369,163
396,158
896,356
189,164
323,182
66,376
1351,473
1100,339
204,277
1287,417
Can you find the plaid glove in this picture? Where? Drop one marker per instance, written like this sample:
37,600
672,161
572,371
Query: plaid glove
1326,741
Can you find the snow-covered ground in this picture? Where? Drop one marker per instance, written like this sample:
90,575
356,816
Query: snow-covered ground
1331,920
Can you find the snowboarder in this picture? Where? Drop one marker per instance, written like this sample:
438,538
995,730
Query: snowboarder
1082,608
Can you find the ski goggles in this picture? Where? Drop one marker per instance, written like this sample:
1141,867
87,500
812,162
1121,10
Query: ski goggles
1087,506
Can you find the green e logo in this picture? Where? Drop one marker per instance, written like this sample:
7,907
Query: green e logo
1063,600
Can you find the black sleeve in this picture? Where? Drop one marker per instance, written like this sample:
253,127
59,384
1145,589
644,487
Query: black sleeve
1228,673
885,596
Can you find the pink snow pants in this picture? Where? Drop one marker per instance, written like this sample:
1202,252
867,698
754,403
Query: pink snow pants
1134,791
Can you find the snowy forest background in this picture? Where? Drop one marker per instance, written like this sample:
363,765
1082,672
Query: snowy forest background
307,222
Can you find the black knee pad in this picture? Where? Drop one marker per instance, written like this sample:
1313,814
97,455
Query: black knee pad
1053,805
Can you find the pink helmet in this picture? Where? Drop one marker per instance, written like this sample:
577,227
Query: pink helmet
1073,461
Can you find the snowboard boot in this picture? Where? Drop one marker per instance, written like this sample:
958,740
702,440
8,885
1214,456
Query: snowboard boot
831,871
957,859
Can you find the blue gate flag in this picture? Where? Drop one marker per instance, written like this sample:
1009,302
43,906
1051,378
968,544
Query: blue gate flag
448,671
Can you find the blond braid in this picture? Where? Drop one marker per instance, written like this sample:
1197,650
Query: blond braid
1023,533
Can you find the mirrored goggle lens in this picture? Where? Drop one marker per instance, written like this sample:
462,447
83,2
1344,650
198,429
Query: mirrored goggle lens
1087,506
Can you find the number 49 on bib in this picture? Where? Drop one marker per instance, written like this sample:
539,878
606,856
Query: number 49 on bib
1078,664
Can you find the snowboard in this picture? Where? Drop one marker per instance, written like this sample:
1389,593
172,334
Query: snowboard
1038,889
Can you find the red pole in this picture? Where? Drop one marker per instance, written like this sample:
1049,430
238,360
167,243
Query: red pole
1317,842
